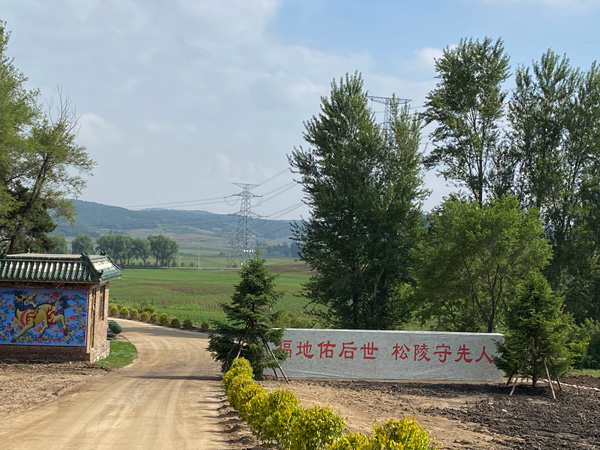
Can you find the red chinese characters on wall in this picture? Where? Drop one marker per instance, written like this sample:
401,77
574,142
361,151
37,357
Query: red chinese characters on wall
421,353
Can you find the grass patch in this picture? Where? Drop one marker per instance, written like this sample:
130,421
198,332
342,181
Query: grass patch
198,295
122,353
589,372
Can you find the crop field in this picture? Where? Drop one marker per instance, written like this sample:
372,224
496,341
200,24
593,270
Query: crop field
198,294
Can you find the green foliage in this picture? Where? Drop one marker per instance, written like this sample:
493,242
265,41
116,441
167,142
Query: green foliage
148,308
122,353
175,322
204,325
271,416
114,327
244,397
352,441
239,366
113,311
555,120
163,249
403,434
134,313
235,386
163,319
41,165
364,188
589,335
471,260
154,318
315,428
537,332
467,107
82,244
187,324
59,244
124,312
249,322
144,316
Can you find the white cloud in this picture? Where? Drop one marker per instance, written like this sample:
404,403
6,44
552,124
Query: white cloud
427,56
95,130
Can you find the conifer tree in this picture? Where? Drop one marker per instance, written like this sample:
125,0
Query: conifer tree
248,325
537,332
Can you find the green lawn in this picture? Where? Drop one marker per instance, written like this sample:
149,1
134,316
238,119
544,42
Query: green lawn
198,294
122,353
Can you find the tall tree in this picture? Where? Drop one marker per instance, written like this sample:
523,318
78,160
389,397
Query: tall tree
472,258
363,186
40,162
60,244
248,328
140,249
163,249
554,116
82,244
466,107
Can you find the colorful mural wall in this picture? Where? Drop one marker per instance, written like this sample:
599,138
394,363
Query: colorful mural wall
43,317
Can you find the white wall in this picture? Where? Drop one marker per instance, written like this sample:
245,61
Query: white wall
390,355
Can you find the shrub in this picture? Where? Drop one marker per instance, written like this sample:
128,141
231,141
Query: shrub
114,327
153,317
244,395
204,325
237,384
148,308
271,416
163,319
175,323
113,311
144,316
124,311
353,441
187,324
240,366
315,428
405,433
134,313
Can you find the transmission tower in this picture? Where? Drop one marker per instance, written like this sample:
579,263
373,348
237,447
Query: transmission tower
388,101
244,242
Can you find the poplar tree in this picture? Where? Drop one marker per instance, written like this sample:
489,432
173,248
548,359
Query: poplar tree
467,107
364,189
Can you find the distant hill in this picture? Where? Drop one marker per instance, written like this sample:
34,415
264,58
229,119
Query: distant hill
95,219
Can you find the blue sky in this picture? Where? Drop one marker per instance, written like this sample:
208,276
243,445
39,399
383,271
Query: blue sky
178,100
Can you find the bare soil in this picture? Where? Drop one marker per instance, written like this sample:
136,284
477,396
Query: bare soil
461,416
468,416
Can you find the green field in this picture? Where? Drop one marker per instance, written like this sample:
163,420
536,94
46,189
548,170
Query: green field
198,294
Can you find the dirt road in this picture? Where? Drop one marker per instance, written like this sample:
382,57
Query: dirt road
168,399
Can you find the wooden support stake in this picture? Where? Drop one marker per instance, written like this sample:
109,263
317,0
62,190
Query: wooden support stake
549,380
266,344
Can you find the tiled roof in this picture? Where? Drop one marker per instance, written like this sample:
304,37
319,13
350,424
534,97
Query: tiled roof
58,268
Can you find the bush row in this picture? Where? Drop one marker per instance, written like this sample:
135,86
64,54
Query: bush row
276,418
151,316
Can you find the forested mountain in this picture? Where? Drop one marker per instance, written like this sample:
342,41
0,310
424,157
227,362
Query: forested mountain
95,219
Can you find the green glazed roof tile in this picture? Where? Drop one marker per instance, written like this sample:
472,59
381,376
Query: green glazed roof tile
58,268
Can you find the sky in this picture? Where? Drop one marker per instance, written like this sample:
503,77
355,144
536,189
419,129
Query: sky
183,102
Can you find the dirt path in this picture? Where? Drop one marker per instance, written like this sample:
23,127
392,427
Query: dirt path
169,398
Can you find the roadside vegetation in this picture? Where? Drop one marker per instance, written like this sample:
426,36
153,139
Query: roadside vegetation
122,353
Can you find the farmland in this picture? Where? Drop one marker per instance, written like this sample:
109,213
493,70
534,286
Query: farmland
198,294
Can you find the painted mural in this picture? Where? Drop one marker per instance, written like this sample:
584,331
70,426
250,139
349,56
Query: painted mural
42,317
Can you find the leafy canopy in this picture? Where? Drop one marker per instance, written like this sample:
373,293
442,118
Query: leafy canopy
363,186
